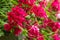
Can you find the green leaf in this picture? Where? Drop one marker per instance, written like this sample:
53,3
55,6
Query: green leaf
1,33
24,33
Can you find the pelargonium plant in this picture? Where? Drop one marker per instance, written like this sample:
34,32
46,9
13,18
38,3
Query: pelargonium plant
35,19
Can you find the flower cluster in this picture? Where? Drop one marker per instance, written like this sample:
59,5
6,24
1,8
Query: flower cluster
56,5
39,11
34,17
15,18
28,2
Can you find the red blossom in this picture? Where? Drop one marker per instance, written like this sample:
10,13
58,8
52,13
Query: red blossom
55,5
56,37
7,27
17,31
29,2
33,31
40,37
39,11
17,15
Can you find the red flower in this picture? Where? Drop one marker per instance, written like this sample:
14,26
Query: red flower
46,22
22,1
55,5
17,31
29,2
40,37
39,11
57,24
19,11
56,37
17,15
33,31
7,27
